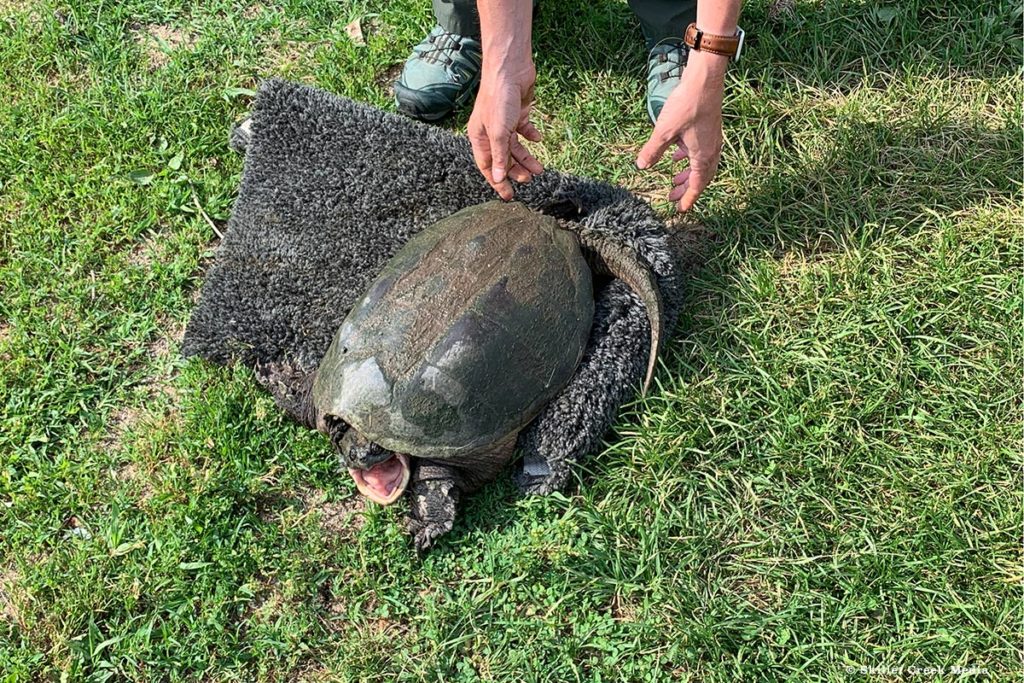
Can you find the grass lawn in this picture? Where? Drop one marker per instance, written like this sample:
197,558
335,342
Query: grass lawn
827,476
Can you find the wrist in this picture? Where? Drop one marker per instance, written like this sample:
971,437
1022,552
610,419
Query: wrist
718,27
508,68
710,66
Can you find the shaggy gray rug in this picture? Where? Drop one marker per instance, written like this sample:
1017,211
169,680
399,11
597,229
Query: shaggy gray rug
332,188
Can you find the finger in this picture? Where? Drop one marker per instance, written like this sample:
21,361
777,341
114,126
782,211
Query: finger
681,153
482,157
525,159
519,174
530,132
650,153
504,189
696,185
481,147
679,189
499,154
681,177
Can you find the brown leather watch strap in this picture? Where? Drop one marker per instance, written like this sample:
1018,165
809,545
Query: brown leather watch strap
696,39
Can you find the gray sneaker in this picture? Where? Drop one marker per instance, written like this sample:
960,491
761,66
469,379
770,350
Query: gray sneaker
664,69
440,76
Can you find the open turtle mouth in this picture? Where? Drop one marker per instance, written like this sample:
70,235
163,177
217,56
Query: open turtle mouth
386,481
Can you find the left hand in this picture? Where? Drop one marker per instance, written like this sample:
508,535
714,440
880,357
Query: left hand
501,115
691,119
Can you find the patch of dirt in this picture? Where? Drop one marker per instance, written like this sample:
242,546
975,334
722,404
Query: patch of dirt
5,334
130,475
781,10
313,673
285,56
622,609
9,8
170,334
630,149
340,518
159,41
66,80
761,595
267,603
8,589
690,243
482,665
390,627
143,254
120,423
385,79
253,11
336,608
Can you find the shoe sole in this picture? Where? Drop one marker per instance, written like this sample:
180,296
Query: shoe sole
650,113
411,111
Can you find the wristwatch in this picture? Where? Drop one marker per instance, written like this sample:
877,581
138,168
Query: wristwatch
727,46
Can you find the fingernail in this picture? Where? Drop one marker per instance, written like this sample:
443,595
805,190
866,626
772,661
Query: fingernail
499,175
641,163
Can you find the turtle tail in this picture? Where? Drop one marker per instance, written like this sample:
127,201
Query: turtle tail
610,257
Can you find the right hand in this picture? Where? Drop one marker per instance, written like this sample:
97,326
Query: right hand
500,116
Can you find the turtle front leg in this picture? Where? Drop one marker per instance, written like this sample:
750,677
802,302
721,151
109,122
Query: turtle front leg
434,499
437,486
292,388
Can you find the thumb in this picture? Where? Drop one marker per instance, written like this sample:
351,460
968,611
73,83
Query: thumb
650,153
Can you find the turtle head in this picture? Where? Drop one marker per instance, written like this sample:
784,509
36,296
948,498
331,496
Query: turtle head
380,475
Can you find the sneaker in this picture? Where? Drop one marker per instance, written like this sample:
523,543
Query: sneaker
440,76
664,69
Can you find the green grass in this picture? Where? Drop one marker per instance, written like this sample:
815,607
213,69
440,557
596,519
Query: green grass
827,475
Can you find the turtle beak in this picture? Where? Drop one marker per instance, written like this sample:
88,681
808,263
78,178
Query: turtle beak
385,481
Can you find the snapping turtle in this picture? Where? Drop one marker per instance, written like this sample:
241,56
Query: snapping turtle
466,334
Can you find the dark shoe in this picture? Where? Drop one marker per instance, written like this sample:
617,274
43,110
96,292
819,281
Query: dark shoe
664,69
440,76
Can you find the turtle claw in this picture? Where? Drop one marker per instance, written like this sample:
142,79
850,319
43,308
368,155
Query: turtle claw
424,535
432,509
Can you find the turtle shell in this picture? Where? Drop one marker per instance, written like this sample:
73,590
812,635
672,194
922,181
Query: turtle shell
468,331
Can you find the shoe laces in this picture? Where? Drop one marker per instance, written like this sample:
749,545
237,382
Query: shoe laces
438,47
674,54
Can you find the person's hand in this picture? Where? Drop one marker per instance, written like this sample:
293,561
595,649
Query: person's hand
500,116
691,119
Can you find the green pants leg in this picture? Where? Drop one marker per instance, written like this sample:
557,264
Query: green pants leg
664,19
458,16
659,19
